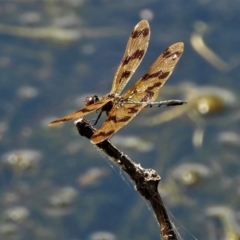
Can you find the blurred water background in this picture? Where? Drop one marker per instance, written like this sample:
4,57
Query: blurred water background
54,183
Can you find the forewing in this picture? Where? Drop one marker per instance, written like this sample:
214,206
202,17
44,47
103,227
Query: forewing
147,88
81,112
133,55
117,118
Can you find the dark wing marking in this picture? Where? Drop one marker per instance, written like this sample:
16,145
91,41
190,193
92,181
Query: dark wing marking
133,55
81,112
147,87
117,118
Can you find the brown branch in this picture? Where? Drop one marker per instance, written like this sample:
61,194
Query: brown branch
146,180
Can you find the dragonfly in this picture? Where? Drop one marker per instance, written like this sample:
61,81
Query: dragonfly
121,109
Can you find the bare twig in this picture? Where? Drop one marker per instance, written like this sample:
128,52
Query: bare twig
146,180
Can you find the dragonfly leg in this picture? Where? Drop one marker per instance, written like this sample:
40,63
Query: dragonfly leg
99,115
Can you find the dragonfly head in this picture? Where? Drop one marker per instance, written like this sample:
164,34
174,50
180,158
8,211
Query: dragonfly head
91,99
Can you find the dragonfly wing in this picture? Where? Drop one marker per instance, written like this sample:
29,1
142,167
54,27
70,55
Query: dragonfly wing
81,112
117,118
133,55
147,88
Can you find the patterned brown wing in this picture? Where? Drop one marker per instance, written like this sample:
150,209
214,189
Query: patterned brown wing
117,118
133,55
147,88
81,112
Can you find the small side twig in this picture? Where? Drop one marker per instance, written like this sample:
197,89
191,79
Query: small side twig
146,180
